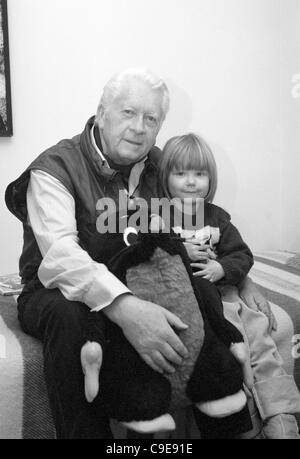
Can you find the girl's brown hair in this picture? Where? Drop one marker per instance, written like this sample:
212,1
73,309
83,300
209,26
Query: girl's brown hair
184,152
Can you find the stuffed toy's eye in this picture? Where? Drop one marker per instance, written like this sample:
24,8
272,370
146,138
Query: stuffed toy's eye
130,235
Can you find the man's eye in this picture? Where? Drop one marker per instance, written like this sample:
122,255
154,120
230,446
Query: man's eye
151,119
128,112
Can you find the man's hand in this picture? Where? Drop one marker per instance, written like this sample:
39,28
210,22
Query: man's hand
255,300
148,327
212,270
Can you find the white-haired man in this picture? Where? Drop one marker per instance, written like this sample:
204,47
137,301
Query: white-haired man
56,199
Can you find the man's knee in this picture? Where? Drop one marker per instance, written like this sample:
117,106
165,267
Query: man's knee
64,315
48,313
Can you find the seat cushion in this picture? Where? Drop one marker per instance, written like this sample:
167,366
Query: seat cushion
24,406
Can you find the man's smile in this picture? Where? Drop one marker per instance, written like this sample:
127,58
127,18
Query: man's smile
132,142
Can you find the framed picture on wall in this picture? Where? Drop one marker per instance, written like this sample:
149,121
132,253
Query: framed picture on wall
5,94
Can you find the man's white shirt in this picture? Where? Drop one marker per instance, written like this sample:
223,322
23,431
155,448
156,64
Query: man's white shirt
65,265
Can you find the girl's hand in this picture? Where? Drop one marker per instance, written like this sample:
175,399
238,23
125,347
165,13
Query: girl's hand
212,270
196,251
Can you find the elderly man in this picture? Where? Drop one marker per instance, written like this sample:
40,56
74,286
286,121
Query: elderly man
56,200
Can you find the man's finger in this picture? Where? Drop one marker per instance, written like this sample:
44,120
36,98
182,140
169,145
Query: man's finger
177,345
174,320
173,340
170,354
151,364
160,361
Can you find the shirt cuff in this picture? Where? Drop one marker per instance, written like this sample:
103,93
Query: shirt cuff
104,289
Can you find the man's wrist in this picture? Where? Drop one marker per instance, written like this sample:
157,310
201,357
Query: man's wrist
114,311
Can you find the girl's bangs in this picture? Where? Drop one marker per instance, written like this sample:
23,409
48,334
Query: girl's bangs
192,157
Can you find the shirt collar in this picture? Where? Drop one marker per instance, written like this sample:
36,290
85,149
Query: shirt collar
135,173
92,133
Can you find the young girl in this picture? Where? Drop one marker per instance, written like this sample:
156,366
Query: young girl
188,171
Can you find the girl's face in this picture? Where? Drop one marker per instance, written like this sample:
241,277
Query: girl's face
188,183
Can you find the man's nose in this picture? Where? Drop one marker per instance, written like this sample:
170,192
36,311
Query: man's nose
138,124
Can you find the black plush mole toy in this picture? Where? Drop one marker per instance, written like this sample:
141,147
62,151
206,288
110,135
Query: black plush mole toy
156,268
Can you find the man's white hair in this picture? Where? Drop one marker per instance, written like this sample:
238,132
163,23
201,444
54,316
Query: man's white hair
114,85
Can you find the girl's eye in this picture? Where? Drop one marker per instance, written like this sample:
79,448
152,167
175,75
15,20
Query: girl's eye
179,173
202,173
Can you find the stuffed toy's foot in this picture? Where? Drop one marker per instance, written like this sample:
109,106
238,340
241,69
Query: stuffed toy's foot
91,361
229,427
162,423
223,407
241,353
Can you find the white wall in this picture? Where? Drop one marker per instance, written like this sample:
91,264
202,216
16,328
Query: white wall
290,115
228,64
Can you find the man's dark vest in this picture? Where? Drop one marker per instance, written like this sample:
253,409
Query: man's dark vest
78,166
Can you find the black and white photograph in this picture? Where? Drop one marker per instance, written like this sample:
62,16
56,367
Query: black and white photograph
5,95
150,222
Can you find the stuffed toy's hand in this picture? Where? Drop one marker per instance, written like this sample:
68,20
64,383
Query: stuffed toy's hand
149,329
212,270
255,300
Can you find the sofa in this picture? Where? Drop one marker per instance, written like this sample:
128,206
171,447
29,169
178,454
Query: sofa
24,407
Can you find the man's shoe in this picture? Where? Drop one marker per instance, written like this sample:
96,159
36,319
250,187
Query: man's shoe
281,426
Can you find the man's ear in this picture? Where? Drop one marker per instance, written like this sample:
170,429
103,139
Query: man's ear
100,116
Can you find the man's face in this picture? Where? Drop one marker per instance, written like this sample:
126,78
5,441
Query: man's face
130,123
